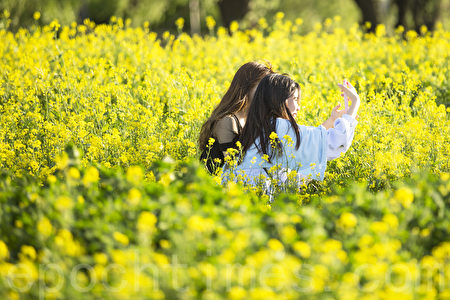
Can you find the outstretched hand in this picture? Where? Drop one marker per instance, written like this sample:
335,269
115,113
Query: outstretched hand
336,113
349,93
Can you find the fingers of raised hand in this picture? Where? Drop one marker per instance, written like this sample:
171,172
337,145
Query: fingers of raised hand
349,93
349,85
344,94
345,89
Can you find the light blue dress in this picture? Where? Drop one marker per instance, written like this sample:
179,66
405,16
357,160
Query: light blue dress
317,146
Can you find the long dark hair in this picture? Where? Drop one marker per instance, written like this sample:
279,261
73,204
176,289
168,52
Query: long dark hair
269,103
236,97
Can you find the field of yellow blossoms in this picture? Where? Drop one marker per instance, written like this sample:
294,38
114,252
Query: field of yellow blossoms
102,196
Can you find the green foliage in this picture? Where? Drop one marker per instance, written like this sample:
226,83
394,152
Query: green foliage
21,11
98,217
162,15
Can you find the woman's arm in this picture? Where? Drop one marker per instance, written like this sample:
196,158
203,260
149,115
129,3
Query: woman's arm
349,92
335,114
340,135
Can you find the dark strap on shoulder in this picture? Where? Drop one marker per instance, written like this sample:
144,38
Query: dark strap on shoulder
225,146
238,124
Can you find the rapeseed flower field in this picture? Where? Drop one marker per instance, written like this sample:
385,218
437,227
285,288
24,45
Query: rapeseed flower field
101,196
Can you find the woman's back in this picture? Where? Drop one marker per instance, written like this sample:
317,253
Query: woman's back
225,133
226,129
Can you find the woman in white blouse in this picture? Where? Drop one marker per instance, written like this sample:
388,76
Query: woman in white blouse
273,144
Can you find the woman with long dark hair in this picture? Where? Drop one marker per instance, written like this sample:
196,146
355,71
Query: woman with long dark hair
274,144
221,131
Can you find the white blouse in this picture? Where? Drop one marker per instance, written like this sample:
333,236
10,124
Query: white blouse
317,146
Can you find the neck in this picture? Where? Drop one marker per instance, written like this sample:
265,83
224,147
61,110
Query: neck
242,114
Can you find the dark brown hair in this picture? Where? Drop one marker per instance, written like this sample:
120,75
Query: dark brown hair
269,103
236,97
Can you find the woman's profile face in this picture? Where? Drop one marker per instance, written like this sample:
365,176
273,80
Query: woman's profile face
292,103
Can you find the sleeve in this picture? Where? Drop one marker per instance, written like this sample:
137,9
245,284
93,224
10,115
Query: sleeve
310,158
341,136
225,130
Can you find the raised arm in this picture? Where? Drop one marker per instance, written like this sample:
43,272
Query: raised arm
349,92
340,135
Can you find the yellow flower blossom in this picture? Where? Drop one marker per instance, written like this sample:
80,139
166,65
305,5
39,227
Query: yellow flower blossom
134,196
208,270
64,203
200,224
348,220
146,222
237,293
179,23
45,227
36,15
405,196
27,252
210,22
121,238
91,176
101,258
135,175
74,173
275,245
4,253
302,248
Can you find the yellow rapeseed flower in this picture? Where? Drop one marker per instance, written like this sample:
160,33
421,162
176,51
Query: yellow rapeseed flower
275,245
91,176
302,248
100,258
134,196
348,220
179,23
200,224
405,196
135,175
63,203
36,15
237,293
4,253
210,22
234,26
27,252
208,270
74,173
146,222
121,238
44,227
165,244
